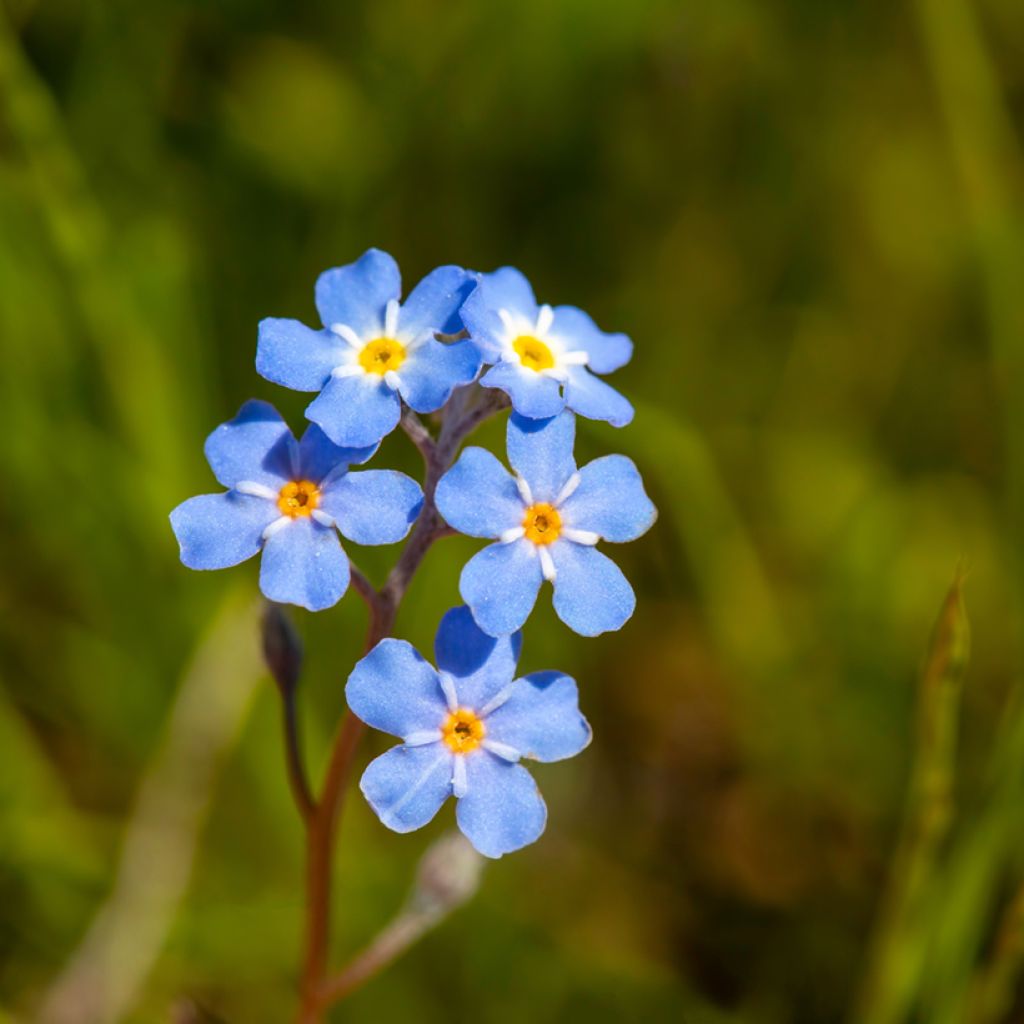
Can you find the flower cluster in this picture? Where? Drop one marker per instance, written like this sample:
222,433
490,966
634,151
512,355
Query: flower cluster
375,363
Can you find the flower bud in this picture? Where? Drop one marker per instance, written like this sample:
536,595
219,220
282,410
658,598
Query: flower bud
282,648
448,875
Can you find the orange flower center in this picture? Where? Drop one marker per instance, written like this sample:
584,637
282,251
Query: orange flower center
542,523
533,353
298,498
463,731
381,355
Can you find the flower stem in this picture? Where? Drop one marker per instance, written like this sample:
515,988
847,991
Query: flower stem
462,417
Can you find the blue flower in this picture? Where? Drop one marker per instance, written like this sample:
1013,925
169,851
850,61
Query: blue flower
544,357
546,519
372,352
289,498
465,727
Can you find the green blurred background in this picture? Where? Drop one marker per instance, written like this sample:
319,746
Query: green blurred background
810,217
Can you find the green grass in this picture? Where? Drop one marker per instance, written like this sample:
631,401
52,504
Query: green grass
810,218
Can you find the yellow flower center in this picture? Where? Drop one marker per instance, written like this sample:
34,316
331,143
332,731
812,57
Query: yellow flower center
298,498
533,353
462,731
542,523
381,355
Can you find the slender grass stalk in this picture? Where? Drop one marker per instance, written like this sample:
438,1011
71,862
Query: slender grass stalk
898,947
108,970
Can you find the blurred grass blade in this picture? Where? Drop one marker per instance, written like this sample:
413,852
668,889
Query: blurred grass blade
898,949
106,974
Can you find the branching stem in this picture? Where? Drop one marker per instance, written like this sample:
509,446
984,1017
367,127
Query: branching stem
468,408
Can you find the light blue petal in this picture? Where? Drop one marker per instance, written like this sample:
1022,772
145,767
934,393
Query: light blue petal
478,496
532,393
480,665
375,506
427,378
591,594
252,446
500,585
541,719
294,355
507,289
356,294
395,690
607,352
435,302
610,500
319,455
355,411
540,451
303,564
218,530
406,786
592,398
502,810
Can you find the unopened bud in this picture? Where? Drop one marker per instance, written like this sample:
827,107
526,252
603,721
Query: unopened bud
448,875
282,648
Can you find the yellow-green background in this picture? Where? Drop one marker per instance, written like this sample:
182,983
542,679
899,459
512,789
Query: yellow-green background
809,215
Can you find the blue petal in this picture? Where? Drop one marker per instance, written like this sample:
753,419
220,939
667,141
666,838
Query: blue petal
480,665
610,500
427,378
591,397
607,352
540,451
533,394
433,305
406,786
253,446
541,719
502,810
395,690
507,289
355,411
218,530
591,594
294,355
319,455
303,564
376,506
356,294
478,496
500,585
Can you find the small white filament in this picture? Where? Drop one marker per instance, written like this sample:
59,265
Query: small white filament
276,526
421,737
502,750
574,358
448,689
547,564
545,316
256,490
460,784
587,537
570,486
391,318
322,517
346,333
507,536
524,490
507,322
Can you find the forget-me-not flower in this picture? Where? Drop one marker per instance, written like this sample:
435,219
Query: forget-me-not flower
372,351
546,519
544,358
289,499
465,727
